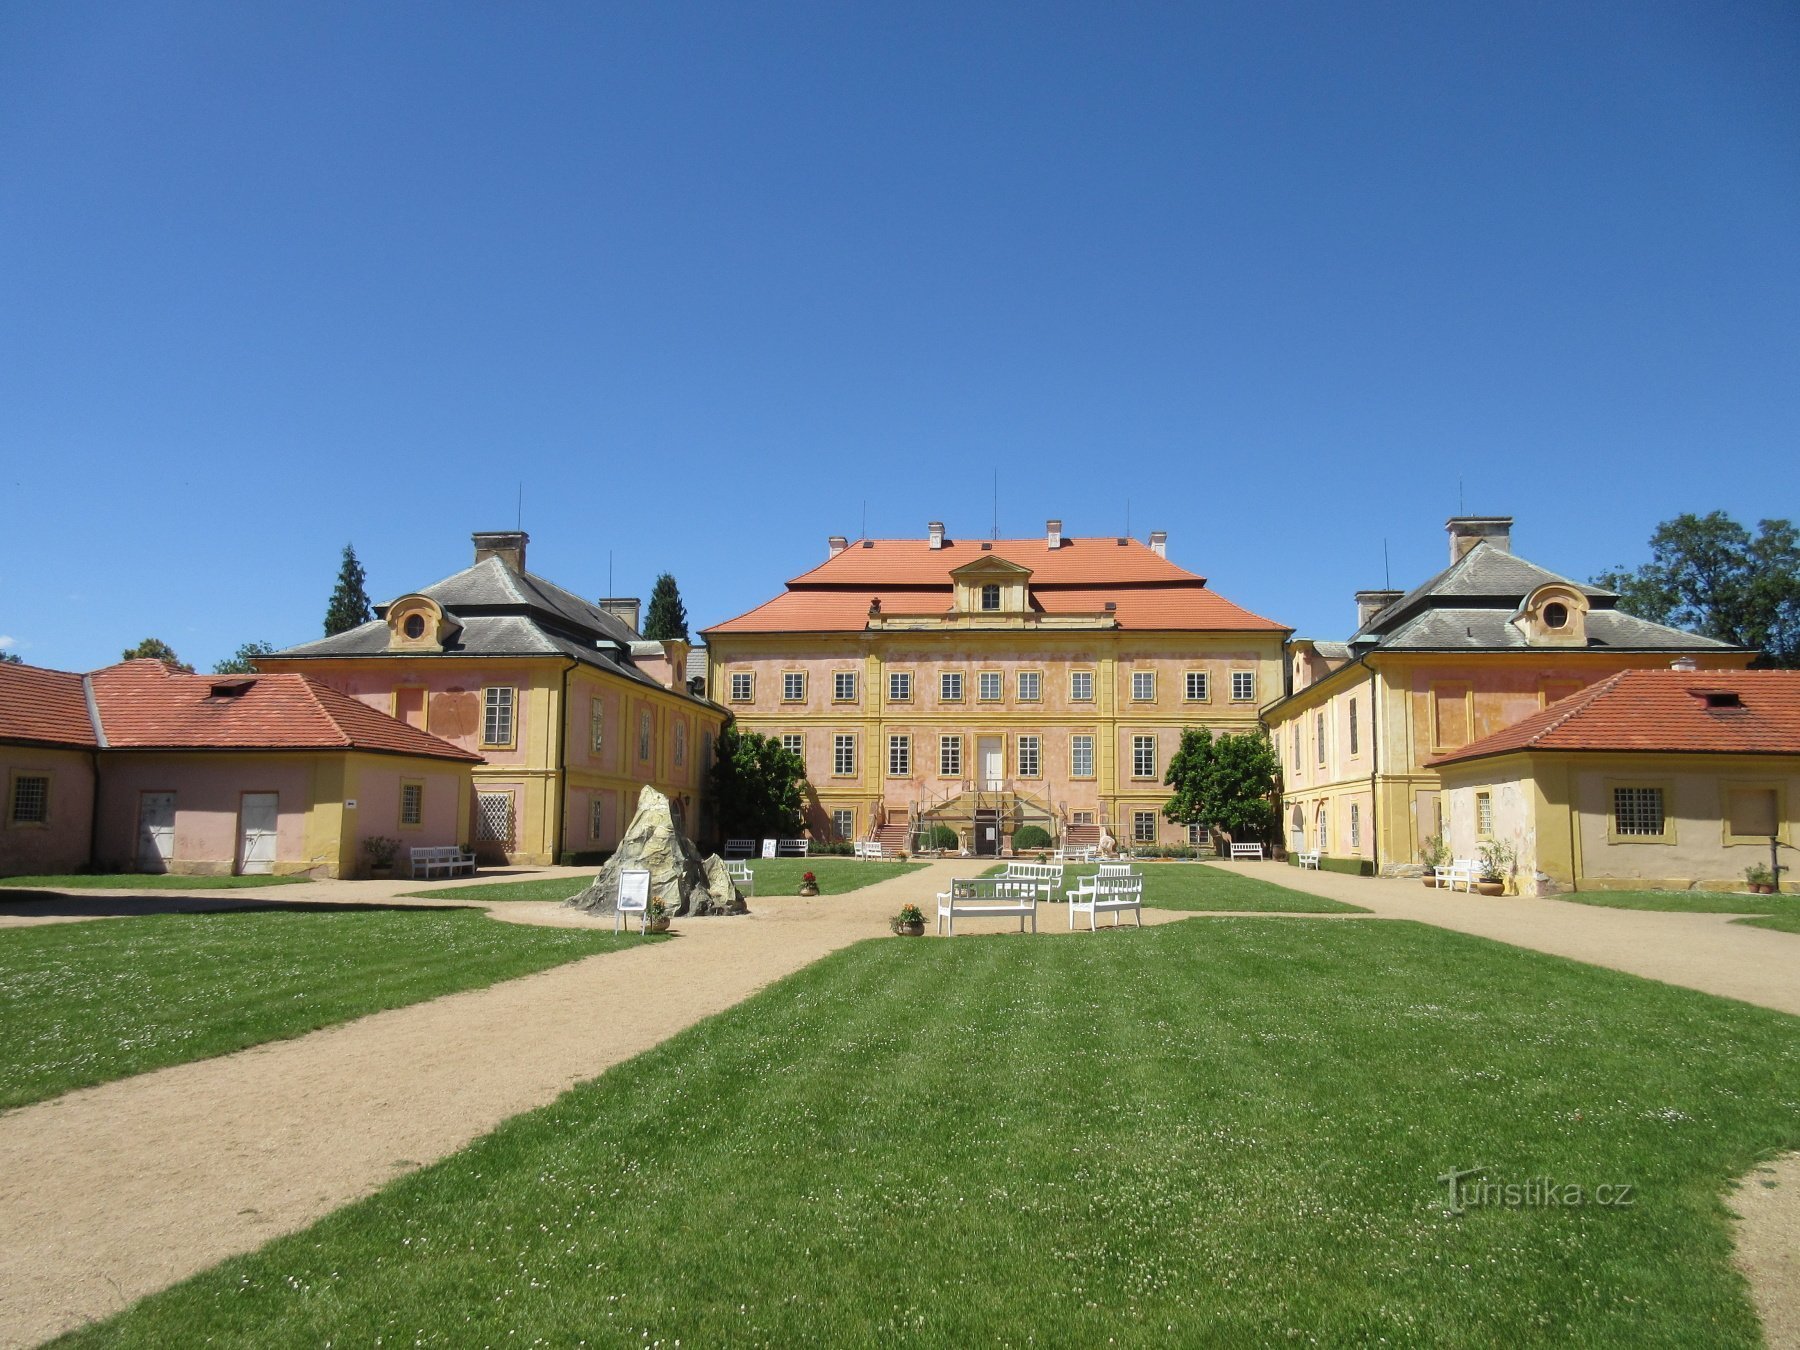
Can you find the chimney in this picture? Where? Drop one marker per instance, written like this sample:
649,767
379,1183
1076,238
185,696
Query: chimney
624,608
1684,663
837,544
1053,533
506,545
936,531
1468,531
1159,543
1371,603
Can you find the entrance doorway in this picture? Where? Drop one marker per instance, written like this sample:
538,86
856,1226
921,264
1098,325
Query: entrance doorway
987,834
156,831
256,833
990,762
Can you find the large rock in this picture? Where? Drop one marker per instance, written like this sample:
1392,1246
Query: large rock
679,877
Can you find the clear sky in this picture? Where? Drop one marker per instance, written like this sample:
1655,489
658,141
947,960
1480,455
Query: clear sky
708,282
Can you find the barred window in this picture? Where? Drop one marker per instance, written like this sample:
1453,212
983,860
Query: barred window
1081,756
899,756
950,686
1638,810
1196,686
1243,685
497,719
1143,756
987,686
1143,827
30,799
793,686
1028,756
596,817
950,756
742,683
843,686
1143,685
597,725
494,816
843,754
1081,686
899,686
1030,686
1484,815
412,803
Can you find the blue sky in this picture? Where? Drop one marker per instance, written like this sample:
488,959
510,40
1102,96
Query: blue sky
707,282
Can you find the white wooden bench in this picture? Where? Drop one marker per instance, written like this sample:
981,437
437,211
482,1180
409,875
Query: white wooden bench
988,898
739,848
1082,853
1306,860
741,876
1047,876
447,860
1097,895
1253,851
792,848
867,848
1116,869
1464,872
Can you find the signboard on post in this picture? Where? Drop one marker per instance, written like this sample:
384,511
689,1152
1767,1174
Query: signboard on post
768,848
634,896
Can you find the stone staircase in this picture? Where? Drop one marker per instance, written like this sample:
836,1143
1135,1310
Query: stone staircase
893,837
1082,836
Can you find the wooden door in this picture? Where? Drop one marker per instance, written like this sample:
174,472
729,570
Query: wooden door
990,753
156,830
256,833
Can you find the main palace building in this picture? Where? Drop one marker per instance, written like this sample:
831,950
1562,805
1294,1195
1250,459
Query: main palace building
991,684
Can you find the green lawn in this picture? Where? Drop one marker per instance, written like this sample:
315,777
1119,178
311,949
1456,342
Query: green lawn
1215,1132
1781,923
83,1003
1195,886
1691,902
146,881
774,876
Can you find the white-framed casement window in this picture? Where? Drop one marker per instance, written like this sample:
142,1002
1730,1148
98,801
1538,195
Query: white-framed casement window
597,725
596,818
29,801
1143,686
497,715
794,743
412,802
1324,819
843,824
1196,686
1028,756
1639,812
1319,736
1243,686
1355,825
1081,686
743,686
1353,734
843,755
1031,686
1196,835
843,686
1143,756
793,686
950,756
1143,827
990,597
899,756
899,686
987,686
950,686
1484,814
1081,756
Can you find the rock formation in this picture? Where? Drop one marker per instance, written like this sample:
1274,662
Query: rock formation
687,884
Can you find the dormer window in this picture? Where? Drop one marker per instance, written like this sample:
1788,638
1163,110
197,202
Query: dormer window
1556,616
1720,698
990,597
414,627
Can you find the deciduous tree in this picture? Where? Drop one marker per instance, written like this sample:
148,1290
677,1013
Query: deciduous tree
757,787
243,660
155,649
1227,782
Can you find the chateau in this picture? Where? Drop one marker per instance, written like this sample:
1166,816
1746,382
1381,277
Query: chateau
990,685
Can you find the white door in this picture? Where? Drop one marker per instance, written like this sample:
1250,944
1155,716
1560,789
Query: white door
993,762
156,830
256,833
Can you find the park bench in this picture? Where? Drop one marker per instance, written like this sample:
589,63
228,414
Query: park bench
1081,853
739,848
867,848
1253,851
792,848
1048,876
988,898
1097,895
1464,872
1307,860
741,876
448,860
1116,869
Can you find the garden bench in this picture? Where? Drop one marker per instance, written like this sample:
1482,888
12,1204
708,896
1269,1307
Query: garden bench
987,898
447,860
739,848
1080,854
1113,895
1048,876
792,848
1116,869
741,876
1307,860
1253,851
1464,872
867,848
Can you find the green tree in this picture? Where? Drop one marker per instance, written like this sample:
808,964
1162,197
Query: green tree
155,649
243,660
11,659
1710,575
668,616
1227,782
349,607
757,787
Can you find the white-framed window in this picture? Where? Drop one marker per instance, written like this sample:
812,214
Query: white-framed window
494,817
990,597
950,686
1294,746
843,686
899,686
1355,825
1353,737
1324,819
899,756
30,799
1196,835
1081,686
497,715
843,824
987,686
1081,818
1028,756
412,802
1143,827
793,686
743,686
1081,756
1638,811
950,756
597,725
1243,686
680,743
1484,815
1143,756
1319,736
597,821
1196,686
1031,686
843,755
794,743
1143,686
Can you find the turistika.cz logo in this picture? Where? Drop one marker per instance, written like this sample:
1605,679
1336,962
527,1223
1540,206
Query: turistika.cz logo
1468,1190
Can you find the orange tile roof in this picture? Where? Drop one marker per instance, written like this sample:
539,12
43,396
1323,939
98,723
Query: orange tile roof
913,562
144,704
1664,711
47,707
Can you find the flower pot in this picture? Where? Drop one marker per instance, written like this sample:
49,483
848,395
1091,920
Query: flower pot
910,929
1762,888
382,873
1431,883
1490,888
657,925
809,890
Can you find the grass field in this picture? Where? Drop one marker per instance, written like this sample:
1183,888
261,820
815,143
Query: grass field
1689,902
83,1003
146,881
774,876
1195,886
1224,1131
1781,923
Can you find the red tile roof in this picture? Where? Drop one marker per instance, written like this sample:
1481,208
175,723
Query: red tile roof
1664,711
145,704
46,707
914,562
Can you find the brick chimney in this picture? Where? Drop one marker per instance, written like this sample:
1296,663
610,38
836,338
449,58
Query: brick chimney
624,608
1371,603
1053,534
1468,531
837,544
936,531
506,545
1159,543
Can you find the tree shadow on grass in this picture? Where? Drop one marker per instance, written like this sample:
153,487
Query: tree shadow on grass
57,905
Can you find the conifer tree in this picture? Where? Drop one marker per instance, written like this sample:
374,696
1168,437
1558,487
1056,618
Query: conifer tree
349,606
668,616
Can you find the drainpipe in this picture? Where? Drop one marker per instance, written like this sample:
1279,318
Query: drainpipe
562,760
100,743
1374,771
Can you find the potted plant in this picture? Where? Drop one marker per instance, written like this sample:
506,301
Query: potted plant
909,922
809,884
1760,879
380,850
1434,853
1496,866
656,918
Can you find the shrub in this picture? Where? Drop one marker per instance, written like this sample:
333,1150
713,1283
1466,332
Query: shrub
943,837
1030,836
820,849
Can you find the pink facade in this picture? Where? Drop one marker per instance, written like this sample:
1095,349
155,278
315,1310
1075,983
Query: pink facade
59,842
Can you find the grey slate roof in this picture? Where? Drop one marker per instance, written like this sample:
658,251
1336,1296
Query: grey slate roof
1485,573
1437,630
696,665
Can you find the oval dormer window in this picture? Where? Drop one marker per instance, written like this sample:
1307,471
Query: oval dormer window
414,626
1556,615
